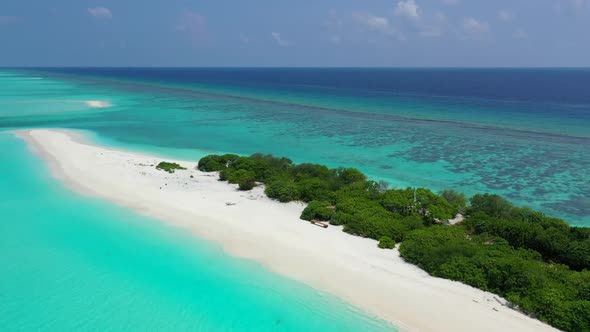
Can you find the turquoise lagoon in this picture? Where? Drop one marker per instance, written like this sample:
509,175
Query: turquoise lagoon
73,263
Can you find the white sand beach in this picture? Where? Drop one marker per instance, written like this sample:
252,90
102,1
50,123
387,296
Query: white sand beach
255,227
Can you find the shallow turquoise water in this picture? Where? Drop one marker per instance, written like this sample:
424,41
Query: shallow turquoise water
73,263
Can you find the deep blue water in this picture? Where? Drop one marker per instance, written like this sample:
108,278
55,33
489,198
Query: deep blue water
556,86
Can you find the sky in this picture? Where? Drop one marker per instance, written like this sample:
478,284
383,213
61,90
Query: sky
307,33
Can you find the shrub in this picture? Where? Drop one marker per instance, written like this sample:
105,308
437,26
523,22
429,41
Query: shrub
282,190
312,170
245,179
224,174
311,189
215,163
399,201
317,210
350,175
385,242
341,218
246,184
456,199
412,222
492,205
268,166
168,167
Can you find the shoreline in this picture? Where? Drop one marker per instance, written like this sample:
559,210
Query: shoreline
352,269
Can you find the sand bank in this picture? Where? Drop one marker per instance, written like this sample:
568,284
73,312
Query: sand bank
253,226
97,103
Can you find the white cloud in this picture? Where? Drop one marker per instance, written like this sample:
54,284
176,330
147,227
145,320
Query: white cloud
408,9
425,25
359,28
432,25
280,40
475,28
505,15
373,22
100,12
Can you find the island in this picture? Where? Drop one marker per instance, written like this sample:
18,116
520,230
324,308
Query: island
539,264
471,276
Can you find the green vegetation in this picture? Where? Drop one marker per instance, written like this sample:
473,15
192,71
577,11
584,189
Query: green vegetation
540,264
168,167
215,163
385,242
457,200
317,210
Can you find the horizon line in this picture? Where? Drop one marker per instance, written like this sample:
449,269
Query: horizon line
291,67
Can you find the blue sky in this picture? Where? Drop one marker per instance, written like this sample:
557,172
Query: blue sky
295,33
